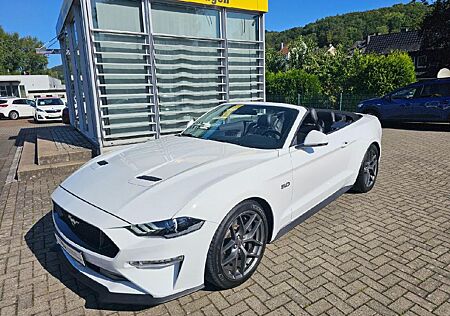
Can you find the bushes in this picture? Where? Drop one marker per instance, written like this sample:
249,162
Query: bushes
320,73
285,86
379,74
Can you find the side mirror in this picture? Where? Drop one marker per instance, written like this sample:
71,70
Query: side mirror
315,139
190,123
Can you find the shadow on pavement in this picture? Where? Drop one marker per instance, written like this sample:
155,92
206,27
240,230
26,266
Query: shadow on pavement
41,241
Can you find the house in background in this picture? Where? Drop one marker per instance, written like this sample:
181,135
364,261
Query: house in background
428,62
31,86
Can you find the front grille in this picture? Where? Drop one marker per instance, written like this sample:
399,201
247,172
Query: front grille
84,234
52,111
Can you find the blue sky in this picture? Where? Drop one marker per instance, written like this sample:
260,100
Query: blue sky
38,17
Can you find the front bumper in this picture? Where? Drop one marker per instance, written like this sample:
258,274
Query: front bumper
114,278
104,295
44,117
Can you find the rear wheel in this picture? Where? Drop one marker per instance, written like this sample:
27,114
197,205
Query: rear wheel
13,115
237,246
369,171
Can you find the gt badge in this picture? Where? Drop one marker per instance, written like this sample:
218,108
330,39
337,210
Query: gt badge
285,185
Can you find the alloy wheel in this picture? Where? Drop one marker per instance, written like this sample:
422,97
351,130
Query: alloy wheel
370,167
243,245
13,115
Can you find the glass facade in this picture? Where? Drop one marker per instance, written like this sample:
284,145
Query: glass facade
155,65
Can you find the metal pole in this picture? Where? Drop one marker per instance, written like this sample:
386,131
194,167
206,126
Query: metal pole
340,102
299,99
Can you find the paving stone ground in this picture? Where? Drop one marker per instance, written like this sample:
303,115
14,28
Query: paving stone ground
386,252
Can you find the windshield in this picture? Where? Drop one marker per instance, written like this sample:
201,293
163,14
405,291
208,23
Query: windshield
254,126
44,102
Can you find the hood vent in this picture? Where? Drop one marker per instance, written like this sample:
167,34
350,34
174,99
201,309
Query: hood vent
149,178
102,163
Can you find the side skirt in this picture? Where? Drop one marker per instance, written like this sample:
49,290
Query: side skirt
310,213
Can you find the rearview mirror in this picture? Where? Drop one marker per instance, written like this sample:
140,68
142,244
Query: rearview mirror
315,139
190,123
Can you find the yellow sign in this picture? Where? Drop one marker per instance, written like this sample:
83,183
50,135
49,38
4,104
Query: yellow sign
251,5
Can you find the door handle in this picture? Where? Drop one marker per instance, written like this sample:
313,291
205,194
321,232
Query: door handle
344,144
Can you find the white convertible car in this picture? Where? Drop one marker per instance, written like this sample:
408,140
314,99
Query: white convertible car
164,218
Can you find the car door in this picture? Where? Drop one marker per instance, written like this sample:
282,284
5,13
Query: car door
445,101
318,172
431,107
402,105
19,105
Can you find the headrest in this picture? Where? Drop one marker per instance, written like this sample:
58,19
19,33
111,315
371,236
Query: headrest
314,115
265,120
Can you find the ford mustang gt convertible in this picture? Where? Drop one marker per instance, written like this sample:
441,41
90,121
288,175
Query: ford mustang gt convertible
158,220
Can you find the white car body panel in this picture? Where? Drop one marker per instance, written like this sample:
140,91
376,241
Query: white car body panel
24,110
201,179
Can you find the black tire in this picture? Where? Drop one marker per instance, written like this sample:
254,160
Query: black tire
13,115
368,171
226,275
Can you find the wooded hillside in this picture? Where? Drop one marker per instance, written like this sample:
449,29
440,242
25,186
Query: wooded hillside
348,28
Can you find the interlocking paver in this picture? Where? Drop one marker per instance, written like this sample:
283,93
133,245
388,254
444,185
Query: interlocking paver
386,252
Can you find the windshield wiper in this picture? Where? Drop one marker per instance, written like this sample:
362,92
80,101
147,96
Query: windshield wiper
186,135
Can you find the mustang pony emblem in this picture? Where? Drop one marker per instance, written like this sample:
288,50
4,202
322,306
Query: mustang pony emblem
73,221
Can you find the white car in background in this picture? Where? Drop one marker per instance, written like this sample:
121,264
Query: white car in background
161,219
49,109
15,108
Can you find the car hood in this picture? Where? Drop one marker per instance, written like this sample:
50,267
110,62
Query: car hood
155,180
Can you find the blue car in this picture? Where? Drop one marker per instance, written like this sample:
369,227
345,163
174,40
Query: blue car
425,101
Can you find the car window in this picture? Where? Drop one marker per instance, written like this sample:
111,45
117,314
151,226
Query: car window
3,101
406,93
248,125
436,90
31,103
20,101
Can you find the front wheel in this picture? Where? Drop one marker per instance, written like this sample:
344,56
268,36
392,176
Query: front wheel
237,246
368,171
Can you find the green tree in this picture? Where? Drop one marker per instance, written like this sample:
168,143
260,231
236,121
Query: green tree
436,26
379,74
285,86
18,54
348,28
275,60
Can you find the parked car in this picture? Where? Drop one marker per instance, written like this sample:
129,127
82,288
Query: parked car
49,109
424,101
15,108
161,219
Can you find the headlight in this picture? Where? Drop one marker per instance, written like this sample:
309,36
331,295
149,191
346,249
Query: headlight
360,105
39,110
168,229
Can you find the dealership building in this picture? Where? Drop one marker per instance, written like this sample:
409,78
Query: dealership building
139,69
31,86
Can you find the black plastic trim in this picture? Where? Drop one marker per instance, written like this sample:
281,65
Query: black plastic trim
311,212
149,178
